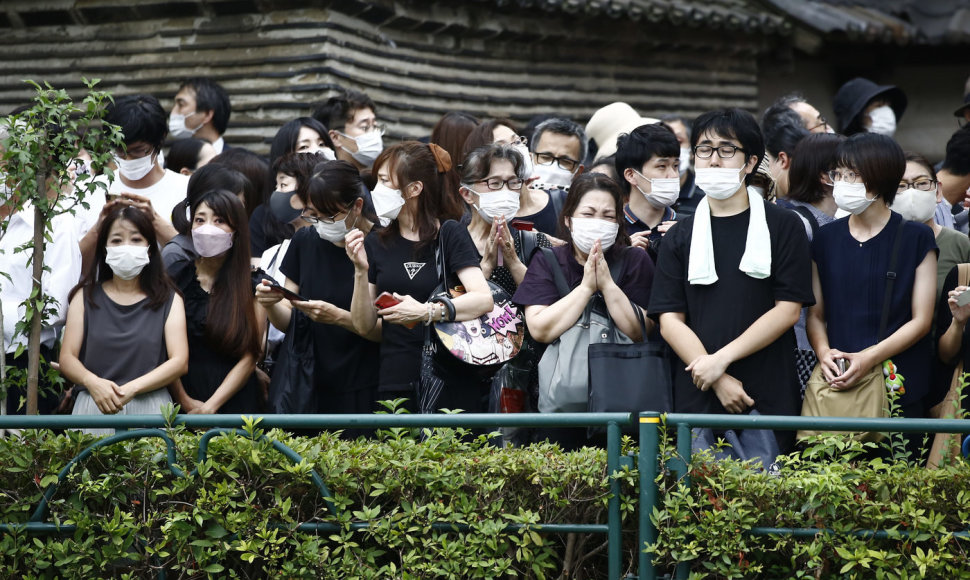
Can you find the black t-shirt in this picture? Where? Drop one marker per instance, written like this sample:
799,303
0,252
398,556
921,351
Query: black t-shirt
545,220
345,361
720,312
396,266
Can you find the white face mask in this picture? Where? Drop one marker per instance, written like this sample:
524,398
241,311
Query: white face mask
387,202
585,232
718,182
883,121
495,204
529,168
369,146
126,262
851,197
684,160
135,169
335,232
915,205
664,191
177,128
326,152
553,177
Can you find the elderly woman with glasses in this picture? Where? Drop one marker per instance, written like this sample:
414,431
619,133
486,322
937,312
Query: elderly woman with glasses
854,275
317,270
536,206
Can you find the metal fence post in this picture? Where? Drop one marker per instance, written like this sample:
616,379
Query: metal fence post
649,426
615,536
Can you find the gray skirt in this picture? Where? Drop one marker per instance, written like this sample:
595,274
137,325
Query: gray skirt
144,404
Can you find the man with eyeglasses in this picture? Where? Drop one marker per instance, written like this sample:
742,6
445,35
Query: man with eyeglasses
648,161
352,121
731,281
559,148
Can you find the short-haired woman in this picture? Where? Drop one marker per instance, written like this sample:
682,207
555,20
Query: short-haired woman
851,264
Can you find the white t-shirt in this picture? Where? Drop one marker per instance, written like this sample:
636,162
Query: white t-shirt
167,191
62,256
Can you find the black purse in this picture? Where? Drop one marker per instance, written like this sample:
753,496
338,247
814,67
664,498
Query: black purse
291,390
629,377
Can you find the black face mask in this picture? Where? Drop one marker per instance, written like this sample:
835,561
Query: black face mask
279,205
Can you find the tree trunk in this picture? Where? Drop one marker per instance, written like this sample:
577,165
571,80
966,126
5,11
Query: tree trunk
33,341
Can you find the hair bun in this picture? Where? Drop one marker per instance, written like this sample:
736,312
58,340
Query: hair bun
441,157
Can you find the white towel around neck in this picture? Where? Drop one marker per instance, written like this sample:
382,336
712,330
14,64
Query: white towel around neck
756,261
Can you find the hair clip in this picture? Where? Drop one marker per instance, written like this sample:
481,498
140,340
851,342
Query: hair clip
441,157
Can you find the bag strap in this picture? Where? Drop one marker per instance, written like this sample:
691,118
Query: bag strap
963,274
890,281
807,214
557,273
528,242
558,199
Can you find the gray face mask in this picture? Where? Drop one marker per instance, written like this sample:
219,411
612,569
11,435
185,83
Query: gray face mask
279,205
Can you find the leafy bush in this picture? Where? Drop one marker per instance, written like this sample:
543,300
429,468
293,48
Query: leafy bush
236,519
835,484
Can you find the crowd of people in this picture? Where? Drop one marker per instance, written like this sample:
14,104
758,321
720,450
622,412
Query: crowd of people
332,274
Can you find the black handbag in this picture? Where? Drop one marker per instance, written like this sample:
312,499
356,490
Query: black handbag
629,377
291,390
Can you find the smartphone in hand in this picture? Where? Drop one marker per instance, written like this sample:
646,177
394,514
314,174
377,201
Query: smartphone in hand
963,298
386,300
286,292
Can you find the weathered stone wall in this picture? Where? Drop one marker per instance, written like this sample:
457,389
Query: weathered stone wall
416,59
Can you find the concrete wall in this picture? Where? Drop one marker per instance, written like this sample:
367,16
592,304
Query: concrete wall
415,59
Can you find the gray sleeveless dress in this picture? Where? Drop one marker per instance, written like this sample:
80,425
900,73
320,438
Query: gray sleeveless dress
122,343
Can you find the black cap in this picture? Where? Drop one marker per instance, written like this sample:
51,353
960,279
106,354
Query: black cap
854,95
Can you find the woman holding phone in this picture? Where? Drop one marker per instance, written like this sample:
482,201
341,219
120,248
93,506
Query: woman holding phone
221,315
401,261
125,335
850,276
318,270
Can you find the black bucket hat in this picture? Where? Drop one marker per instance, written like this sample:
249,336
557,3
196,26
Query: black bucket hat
966,105
853,96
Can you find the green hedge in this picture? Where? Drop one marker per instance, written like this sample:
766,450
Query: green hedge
834,484
235,519
134,517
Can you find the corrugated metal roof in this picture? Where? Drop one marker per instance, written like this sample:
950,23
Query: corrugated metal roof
920,22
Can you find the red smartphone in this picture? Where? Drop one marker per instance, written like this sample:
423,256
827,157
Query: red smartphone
522,225
287,293
386,300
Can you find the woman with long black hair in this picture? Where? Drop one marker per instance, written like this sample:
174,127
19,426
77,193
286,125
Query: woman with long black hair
221,314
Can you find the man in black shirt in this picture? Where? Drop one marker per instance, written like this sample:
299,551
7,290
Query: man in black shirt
731,280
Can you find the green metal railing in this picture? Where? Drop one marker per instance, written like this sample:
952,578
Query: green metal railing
647,461
149,426
683,423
